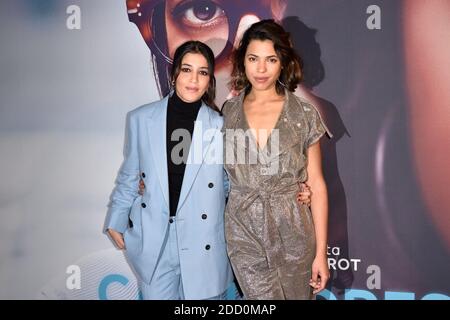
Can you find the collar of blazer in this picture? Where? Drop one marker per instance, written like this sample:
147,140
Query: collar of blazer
156,129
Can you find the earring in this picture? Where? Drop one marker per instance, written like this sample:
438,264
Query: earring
278,80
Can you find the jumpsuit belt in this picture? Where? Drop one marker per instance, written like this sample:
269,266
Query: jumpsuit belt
271,241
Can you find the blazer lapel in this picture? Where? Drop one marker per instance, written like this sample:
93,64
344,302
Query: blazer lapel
197,152
156,128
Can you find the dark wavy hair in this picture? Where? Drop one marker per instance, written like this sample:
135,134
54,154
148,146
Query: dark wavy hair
291,72
201,48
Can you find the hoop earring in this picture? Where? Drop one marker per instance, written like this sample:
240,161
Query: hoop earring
278,80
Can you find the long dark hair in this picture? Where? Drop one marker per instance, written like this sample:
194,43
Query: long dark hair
201,48
291,73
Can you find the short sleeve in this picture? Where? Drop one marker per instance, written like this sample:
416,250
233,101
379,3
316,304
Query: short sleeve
317,127
225,108
228,112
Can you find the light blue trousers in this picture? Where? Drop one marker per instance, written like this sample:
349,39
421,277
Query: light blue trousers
167,281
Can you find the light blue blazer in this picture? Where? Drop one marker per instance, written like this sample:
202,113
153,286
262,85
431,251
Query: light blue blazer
205,267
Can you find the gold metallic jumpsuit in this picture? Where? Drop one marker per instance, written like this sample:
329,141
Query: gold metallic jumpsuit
270,236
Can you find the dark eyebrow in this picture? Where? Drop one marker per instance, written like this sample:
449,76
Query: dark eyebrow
188,65
254,55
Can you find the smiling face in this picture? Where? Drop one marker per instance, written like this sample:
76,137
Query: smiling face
262,65
193,78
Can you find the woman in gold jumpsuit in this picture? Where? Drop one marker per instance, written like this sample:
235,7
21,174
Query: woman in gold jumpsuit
277,246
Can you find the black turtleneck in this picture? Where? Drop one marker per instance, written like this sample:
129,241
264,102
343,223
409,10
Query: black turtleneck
180,115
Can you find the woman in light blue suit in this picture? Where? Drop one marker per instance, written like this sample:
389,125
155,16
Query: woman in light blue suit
173,234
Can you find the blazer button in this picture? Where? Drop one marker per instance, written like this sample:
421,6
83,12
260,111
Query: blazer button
207,247
210,185
204,216
170,220
143,174
143,205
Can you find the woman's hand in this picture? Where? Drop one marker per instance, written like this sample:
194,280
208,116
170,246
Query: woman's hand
141,187
118,238
320,273
304,196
